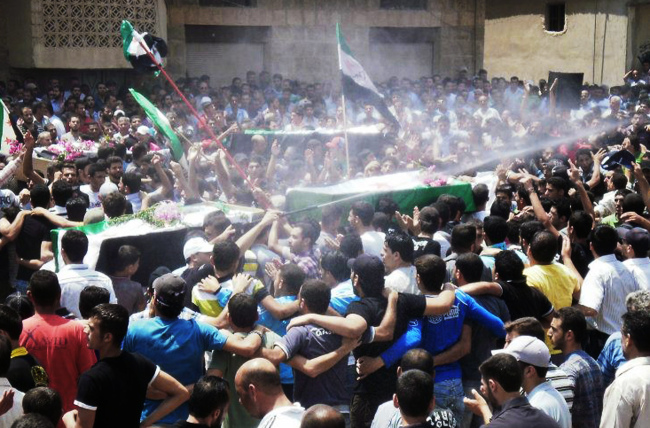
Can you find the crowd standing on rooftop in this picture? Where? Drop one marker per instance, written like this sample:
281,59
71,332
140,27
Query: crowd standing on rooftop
531,310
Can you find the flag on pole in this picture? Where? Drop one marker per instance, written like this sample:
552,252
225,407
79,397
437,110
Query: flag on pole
6,130
136,47
160,121
356,83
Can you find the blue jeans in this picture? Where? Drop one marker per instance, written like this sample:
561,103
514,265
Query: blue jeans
449,395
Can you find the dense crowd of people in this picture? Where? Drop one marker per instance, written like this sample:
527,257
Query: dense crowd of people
532,309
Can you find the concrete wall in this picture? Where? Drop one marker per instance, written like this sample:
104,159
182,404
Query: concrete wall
594,42
302,41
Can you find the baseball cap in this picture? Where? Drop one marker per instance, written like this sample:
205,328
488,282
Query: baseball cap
170,290
529,350
143,130
368,267
639,239
206,101
196,245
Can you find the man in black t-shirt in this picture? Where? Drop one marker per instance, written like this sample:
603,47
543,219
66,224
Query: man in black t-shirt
112,392
368,282
208,404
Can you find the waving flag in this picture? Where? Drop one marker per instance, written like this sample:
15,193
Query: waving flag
136,47
355,81
6,130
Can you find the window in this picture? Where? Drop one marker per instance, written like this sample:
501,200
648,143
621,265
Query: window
555,17
228,3
403,4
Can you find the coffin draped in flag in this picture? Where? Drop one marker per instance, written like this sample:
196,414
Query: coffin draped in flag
355,81
7,133
136,53
161,121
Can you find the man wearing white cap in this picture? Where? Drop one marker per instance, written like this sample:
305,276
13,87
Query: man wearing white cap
534,357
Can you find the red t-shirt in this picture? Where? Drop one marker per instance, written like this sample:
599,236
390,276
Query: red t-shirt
62,348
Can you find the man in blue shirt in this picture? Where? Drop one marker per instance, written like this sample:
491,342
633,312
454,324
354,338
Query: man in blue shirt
336,274
178,345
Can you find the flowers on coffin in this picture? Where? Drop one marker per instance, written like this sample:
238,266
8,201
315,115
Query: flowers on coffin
432,178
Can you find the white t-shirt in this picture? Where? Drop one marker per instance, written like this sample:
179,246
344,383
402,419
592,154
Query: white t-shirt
402,280
283,417
373,243
92,196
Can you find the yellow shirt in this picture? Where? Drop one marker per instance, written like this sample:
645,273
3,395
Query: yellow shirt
556,282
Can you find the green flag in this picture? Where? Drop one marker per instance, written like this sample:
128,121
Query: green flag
160,121
6,131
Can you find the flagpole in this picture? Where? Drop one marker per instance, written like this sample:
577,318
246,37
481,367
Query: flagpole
196,114
345,133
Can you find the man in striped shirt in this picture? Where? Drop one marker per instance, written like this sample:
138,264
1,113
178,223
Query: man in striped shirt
75,275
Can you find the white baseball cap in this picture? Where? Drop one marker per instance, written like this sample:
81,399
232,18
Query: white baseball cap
143,130
196,245
529,350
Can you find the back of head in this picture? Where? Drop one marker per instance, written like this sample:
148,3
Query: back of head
10,322
463,236
127,255
503,369
636,325
336,263
500,208
432,272
133,181
113,319
242,309
210,393
61,192
418,359
415,393
529,229
456,205
217,220
526,326
114,205
619,181
32,420
400,242
508,266
573,320
76,209
225,255
43,401
322,416
480,194
444,211
544,247
470,266
90,297
351,245
21,304
633,203
44,288
40,196
495,229
331,214
293,277
581,222
604,239
75,245
429,220
381,222
261,373
316,295
5,355
364,211
638,301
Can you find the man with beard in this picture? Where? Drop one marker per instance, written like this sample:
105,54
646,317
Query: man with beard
74,136
501,380
115,169
208,404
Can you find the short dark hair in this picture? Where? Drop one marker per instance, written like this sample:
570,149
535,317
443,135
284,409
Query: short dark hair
503,369
10,322
90,297
133,181
364,211
636,324
432,272
500,208
243,310
471,266
210,393
40,196
429,220
138,151
604,239
633,203
528,230
463,236
400,242
419,359
443,211
351,245
5,355
75,245
43,401
526,326
495,229
113,319
293,277
44,288
509,266
480,194
574,320
76,208
330,214
309,229
581,222
454,203
225,254
32,420
336,263
414,393
619,181
544,247
126,256
21,304
114,159
61,192
558,183
114,204
95,168
316,295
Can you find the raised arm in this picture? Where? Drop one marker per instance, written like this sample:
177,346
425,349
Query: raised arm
28,163
541,215
574,175
248,238
351,326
